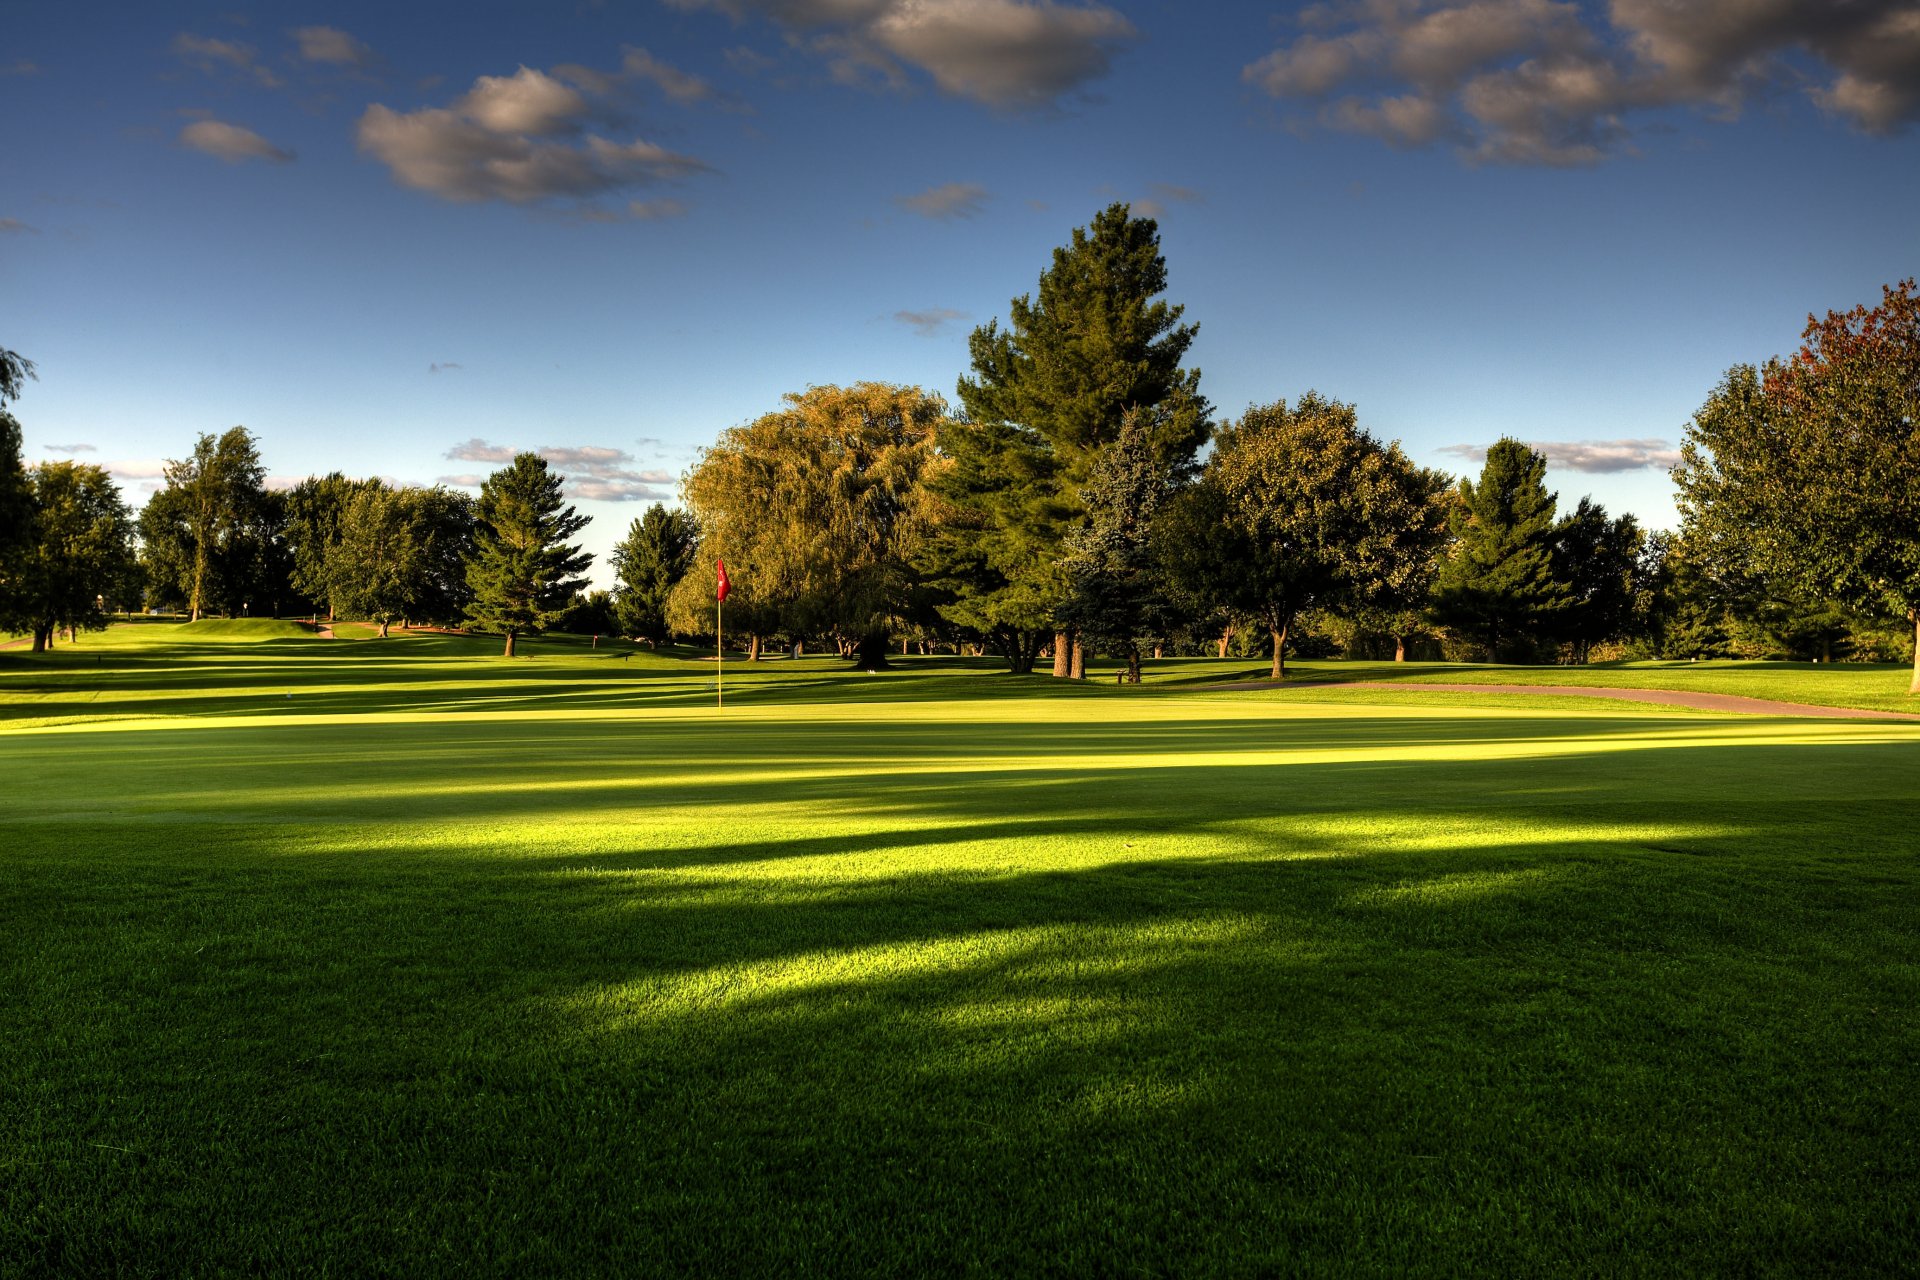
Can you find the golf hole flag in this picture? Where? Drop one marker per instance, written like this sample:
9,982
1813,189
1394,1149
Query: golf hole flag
720,587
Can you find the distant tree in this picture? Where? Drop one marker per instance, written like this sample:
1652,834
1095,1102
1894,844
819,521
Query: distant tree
1809,469
1114,596
656,553
81,555
1046,395
523,569
590,613
1297,509
1396,567
1498,587
207,518
1598,559
315,509
820,506
375,567
444,521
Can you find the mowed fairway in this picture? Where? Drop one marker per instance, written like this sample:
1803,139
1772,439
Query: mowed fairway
361,957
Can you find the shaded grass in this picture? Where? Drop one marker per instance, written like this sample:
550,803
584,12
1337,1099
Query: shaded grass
476,967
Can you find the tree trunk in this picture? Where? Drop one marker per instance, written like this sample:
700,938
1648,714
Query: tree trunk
1280,648
41,637
871,653
1063,644
1159,651
753,647
1133,664
1914,686
1399,648
1078,669
383,628
1225,636
511,634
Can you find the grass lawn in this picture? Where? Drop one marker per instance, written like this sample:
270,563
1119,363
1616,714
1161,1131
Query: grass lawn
397,958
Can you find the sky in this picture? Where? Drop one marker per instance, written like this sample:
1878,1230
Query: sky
408,240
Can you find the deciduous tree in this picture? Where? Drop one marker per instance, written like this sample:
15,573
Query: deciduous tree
81,553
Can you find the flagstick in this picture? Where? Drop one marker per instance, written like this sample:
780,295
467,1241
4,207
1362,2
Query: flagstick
719,658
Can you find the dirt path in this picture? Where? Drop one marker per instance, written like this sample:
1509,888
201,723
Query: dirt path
1659,697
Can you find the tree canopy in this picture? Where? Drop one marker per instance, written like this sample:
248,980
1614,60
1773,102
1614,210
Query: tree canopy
1498,586
523,571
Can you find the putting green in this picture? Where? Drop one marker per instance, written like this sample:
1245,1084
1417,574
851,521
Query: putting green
402,954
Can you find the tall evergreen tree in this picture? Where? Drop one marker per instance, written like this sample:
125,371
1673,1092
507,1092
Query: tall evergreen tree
1114,597
1047,394
523,570
1498,587
656,553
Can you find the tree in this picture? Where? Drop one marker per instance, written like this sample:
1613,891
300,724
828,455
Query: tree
523,570
1599,561
375,566
81,553
1114,595
1047,394
819,508
1810,469
1396,568
315,509
1298,508
1498,587
656,553
16,496
207,520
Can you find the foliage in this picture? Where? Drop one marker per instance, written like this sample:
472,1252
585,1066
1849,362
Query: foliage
591,613
1498,586
657,552
1598,559
523,570
1810,470
316,507
1046,396
820,507
80,558
1298,508
207,536
1114,597
16,497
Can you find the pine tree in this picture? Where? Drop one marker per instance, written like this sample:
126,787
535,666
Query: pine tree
1047,395
523,571
1498,587
656,553
1114,596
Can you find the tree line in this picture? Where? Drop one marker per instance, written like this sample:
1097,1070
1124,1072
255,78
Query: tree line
1081,498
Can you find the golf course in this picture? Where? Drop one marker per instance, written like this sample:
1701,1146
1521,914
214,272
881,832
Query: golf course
402,952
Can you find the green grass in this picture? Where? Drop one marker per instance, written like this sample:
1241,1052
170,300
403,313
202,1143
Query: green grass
399,958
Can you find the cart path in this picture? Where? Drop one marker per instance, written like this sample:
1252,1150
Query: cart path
1660,697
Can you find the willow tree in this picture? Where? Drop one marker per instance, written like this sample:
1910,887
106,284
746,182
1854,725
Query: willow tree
819,508
1808,471
1046,396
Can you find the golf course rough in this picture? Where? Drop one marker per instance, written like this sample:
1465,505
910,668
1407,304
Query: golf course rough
400,958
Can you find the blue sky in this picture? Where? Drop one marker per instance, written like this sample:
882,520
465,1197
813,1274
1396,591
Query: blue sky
402,239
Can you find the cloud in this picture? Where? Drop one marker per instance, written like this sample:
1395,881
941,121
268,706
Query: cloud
596,473
20,67
13,226
70,448
469,480
522,138
212,55
930,322
1011,54
1165,193
143,475
1595,457
478,450
1546,82
950,200
335,48
231,142
443,366
681,86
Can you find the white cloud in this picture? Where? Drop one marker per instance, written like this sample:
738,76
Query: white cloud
597,473
231,142
469,480
444,366
522,138
949,200
209,54
70,448
930,322
334,47
478,450
681,86
1017,54
13,226
1544,82
1592,456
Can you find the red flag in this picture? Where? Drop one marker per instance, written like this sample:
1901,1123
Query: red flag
720,567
